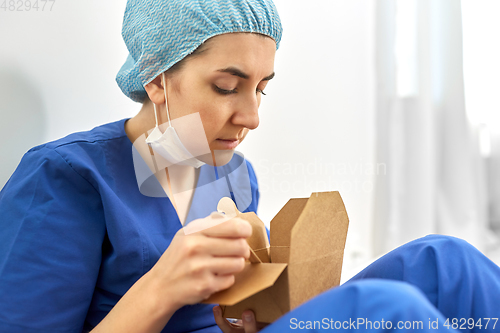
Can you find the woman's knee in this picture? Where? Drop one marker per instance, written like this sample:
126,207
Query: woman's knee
421,260
381,293
446,239
444,244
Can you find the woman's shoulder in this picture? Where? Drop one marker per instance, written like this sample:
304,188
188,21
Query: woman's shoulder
85,146
91,154
99,134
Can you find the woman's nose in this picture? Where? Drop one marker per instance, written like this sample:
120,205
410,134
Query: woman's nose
247,112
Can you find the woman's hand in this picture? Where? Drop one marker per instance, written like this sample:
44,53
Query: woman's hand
247,325
192,268
197,265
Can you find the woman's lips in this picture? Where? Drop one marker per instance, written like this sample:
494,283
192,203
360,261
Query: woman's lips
228,144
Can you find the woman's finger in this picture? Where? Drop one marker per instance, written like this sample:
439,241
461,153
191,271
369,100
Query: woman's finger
221,322
223,282
225,247
225,266
234,228
249,323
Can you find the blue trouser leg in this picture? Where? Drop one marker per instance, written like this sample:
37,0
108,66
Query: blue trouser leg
438,277
365,305
456,278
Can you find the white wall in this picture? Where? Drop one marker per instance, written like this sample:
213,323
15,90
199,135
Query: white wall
316,131
482,70
68,57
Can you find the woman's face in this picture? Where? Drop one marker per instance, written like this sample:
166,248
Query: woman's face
224,85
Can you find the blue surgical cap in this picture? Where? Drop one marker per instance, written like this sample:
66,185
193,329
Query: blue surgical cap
160,33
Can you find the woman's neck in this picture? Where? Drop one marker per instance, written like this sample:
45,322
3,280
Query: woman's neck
178,181
141,123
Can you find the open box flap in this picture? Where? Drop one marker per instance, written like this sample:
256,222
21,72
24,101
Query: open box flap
281,229
253,278
317,247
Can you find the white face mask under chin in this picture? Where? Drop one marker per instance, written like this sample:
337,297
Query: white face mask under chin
168,144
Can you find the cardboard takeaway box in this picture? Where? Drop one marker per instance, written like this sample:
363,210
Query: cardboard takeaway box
304,259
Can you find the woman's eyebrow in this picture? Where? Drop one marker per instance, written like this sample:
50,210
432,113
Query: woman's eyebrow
236,72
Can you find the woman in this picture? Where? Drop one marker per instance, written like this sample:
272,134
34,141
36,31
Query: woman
90,240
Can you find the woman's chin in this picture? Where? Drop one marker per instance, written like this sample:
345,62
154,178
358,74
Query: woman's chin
222,157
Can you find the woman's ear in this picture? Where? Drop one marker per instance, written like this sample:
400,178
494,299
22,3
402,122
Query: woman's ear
155,91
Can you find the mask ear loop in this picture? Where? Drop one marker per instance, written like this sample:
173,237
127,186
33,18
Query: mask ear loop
156,115
172,199
166,101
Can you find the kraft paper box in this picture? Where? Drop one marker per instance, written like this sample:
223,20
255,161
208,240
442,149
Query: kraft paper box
304,259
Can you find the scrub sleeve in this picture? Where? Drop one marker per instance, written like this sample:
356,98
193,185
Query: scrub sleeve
49,255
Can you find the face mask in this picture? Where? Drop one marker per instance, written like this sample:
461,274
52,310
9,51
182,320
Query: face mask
168,144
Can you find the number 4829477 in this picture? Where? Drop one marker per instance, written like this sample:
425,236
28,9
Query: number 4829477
27,5
470,323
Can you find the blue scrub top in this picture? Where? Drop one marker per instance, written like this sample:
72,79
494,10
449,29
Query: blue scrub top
77,233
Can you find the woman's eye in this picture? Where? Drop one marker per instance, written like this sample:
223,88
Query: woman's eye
229,92
224,91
